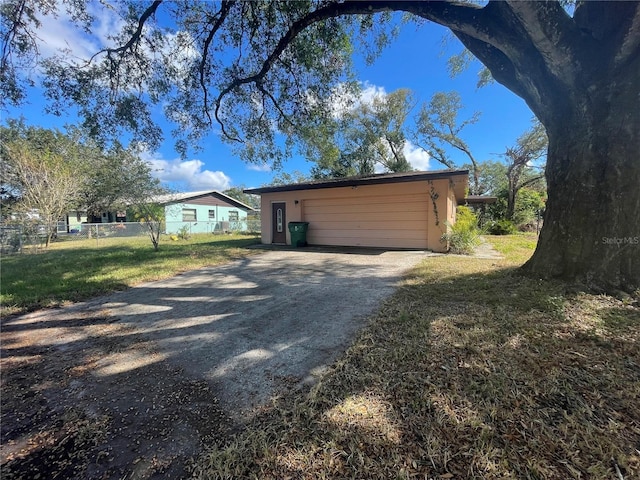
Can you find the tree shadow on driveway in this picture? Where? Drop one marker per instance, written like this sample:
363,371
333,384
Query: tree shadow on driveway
130,383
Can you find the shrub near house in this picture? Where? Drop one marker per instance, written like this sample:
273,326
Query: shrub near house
463,236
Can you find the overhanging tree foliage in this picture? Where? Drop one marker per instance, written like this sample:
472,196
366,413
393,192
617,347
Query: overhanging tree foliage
251,67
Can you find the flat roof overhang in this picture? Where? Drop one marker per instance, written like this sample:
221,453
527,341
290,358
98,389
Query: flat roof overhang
461,181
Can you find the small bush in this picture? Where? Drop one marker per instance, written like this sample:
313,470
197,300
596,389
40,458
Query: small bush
501,227
463,236
183,233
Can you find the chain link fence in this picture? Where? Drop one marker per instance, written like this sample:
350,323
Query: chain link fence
11,239
31,238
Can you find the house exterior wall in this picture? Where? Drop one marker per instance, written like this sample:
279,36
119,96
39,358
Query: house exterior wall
203,223
400,215
75,219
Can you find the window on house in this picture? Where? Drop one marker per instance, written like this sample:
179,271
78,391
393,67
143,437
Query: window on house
212,214
233,215
189,215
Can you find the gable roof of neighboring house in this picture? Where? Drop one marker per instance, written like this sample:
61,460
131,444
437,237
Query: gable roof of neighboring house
186,197
375,179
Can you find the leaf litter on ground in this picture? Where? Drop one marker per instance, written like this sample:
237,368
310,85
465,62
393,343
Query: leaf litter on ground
470,370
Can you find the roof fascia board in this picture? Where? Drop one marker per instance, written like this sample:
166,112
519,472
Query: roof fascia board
215,193
358,181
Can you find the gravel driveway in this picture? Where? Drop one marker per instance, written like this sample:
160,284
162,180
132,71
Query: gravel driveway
162,354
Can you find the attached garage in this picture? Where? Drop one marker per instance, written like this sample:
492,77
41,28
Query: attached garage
400,210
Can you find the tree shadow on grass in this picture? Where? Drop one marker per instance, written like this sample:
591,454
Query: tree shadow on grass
484,375
91,397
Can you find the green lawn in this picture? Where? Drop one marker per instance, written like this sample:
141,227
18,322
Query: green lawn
75,270
470,370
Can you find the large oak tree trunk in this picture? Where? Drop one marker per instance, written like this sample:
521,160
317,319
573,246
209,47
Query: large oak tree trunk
591,231
581,78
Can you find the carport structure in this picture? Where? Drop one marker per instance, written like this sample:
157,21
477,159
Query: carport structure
393,210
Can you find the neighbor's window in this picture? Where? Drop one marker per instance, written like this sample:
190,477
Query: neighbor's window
212,214
189,215
233,215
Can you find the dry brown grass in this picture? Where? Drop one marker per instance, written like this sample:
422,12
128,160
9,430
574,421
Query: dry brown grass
469,371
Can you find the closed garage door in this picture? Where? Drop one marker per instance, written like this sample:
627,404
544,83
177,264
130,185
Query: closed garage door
398,220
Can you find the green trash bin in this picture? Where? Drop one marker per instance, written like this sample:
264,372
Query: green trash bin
298,231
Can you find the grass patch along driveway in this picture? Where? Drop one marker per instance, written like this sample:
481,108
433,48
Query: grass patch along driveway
469,371
76,270
133,383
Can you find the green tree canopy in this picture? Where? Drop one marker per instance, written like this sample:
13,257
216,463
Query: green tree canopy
359,139
38,173
522,170
438,127
50,172
45,184
492,176
246,198
251,68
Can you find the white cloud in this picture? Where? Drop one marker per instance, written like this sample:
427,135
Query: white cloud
343,100
259,167
371,92
416,156
379,168
188,174
59,32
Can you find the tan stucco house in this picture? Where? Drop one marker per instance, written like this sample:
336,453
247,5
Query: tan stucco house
394,210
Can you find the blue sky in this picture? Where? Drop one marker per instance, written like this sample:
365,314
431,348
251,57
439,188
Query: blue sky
415,60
